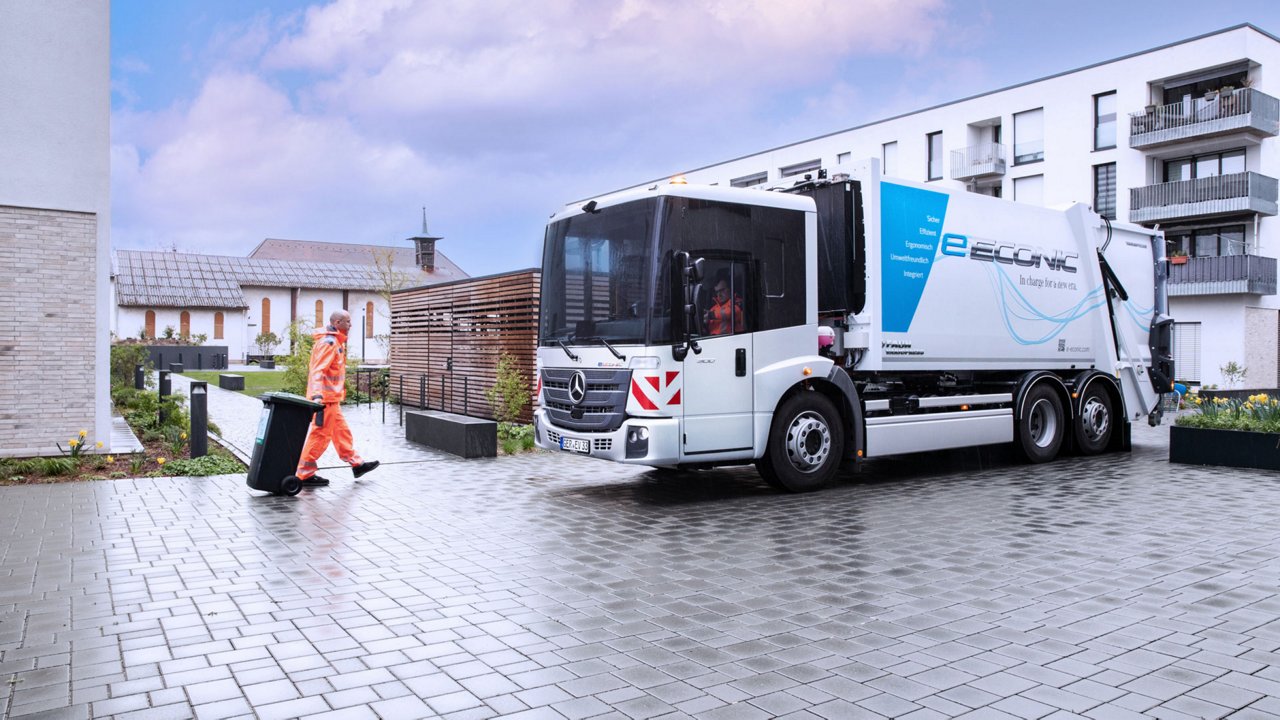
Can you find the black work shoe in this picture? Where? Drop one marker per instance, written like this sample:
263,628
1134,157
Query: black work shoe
364,467
315,481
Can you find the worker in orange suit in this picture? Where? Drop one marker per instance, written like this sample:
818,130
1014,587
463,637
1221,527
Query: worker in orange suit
725,314
327,384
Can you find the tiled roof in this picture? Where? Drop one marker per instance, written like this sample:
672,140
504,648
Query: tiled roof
353,254
168,279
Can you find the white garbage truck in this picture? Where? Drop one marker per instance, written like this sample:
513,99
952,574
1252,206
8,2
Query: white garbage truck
843,318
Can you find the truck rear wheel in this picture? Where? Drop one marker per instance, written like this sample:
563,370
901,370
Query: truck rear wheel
1093,427
805,445
1042,427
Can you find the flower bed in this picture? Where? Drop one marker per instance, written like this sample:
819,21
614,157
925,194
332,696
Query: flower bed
1230,432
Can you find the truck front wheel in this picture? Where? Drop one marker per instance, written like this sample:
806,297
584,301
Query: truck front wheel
1042,426
805,446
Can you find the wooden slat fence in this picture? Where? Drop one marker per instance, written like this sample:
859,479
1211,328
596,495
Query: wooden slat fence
447,339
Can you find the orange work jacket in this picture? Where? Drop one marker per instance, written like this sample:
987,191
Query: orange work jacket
327,376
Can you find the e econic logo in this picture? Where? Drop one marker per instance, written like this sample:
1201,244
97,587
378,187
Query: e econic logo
1007,253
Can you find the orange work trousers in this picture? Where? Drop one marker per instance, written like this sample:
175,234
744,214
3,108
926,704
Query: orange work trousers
335,430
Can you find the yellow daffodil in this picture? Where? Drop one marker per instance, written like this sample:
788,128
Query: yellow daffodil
111,458
73,442
99,444
160,461
183,436
83,433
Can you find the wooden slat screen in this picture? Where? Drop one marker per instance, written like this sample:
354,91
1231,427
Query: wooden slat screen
450,336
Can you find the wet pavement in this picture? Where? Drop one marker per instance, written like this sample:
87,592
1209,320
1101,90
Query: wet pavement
959,584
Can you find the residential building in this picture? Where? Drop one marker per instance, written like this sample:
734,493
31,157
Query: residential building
54,224
230,301
1181,137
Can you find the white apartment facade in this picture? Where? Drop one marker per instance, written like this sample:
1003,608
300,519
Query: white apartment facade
1183,137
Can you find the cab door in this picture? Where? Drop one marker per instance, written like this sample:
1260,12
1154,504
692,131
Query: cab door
718,394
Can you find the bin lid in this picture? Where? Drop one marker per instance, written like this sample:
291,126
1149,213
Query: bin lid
290,398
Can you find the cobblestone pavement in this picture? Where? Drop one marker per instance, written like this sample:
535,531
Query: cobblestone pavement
546,586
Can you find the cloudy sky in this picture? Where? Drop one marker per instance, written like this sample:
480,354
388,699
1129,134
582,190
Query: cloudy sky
338,120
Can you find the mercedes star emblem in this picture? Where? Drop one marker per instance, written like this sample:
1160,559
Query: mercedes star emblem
577,388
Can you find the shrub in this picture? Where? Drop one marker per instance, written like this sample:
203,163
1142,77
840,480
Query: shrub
510,393
514,438
298,361
202,466
124,358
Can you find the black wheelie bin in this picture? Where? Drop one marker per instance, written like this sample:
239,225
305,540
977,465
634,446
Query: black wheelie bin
282,431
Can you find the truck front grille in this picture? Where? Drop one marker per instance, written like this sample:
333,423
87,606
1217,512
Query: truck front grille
601,410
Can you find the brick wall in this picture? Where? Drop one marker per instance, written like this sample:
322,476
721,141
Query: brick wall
48,267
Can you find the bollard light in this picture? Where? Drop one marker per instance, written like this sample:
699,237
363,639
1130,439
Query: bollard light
199,419
165,390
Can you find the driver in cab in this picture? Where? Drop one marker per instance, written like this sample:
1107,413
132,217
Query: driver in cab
725,313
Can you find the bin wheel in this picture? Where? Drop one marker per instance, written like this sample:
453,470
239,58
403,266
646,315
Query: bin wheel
291,486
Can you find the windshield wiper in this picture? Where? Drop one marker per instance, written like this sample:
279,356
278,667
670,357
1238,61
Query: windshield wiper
567,351
602,341
605,343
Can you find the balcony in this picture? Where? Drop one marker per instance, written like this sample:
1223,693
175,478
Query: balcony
1246,192
977,161
1226,275
1245,115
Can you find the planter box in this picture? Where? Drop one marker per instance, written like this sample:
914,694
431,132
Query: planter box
1230,448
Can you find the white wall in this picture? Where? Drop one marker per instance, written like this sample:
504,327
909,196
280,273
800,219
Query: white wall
55,145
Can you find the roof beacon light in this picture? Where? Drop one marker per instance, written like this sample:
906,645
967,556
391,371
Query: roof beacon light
679,180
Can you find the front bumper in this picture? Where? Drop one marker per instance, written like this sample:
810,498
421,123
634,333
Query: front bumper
661,447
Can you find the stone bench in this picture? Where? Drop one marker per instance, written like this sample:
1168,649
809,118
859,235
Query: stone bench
230,381
175,368
460,435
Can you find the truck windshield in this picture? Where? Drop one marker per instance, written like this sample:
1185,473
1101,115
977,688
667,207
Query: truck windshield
596,274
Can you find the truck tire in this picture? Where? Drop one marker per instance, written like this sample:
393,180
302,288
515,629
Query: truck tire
1043,425
805,446
1093,426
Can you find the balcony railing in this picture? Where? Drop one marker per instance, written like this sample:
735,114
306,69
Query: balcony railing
1204,197
977,161
1245,111
1225,275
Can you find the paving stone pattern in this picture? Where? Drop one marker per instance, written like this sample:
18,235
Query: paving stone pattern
958,584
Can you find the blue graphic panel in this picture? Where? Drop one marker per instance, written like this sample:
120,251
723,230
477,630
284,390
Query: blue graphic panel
910,228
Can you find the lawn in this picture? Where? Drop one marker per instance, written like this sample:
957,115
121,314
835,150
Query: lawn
255,382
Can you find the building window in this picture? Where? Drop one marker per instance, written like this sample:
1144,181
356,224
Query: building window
1104,121
1198,166
266,315
319,313
149,325
808,166
1028,136
1029,190
217,326
842,158
1104,190
1186,351
184,324
750,180
889,159
1206,241
368,319
935,155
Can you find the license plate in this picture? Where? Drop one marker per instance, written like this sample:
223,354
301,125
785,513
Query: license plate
575,445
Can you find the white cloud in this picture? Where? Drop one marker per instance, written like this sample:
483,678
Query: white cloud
340,122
